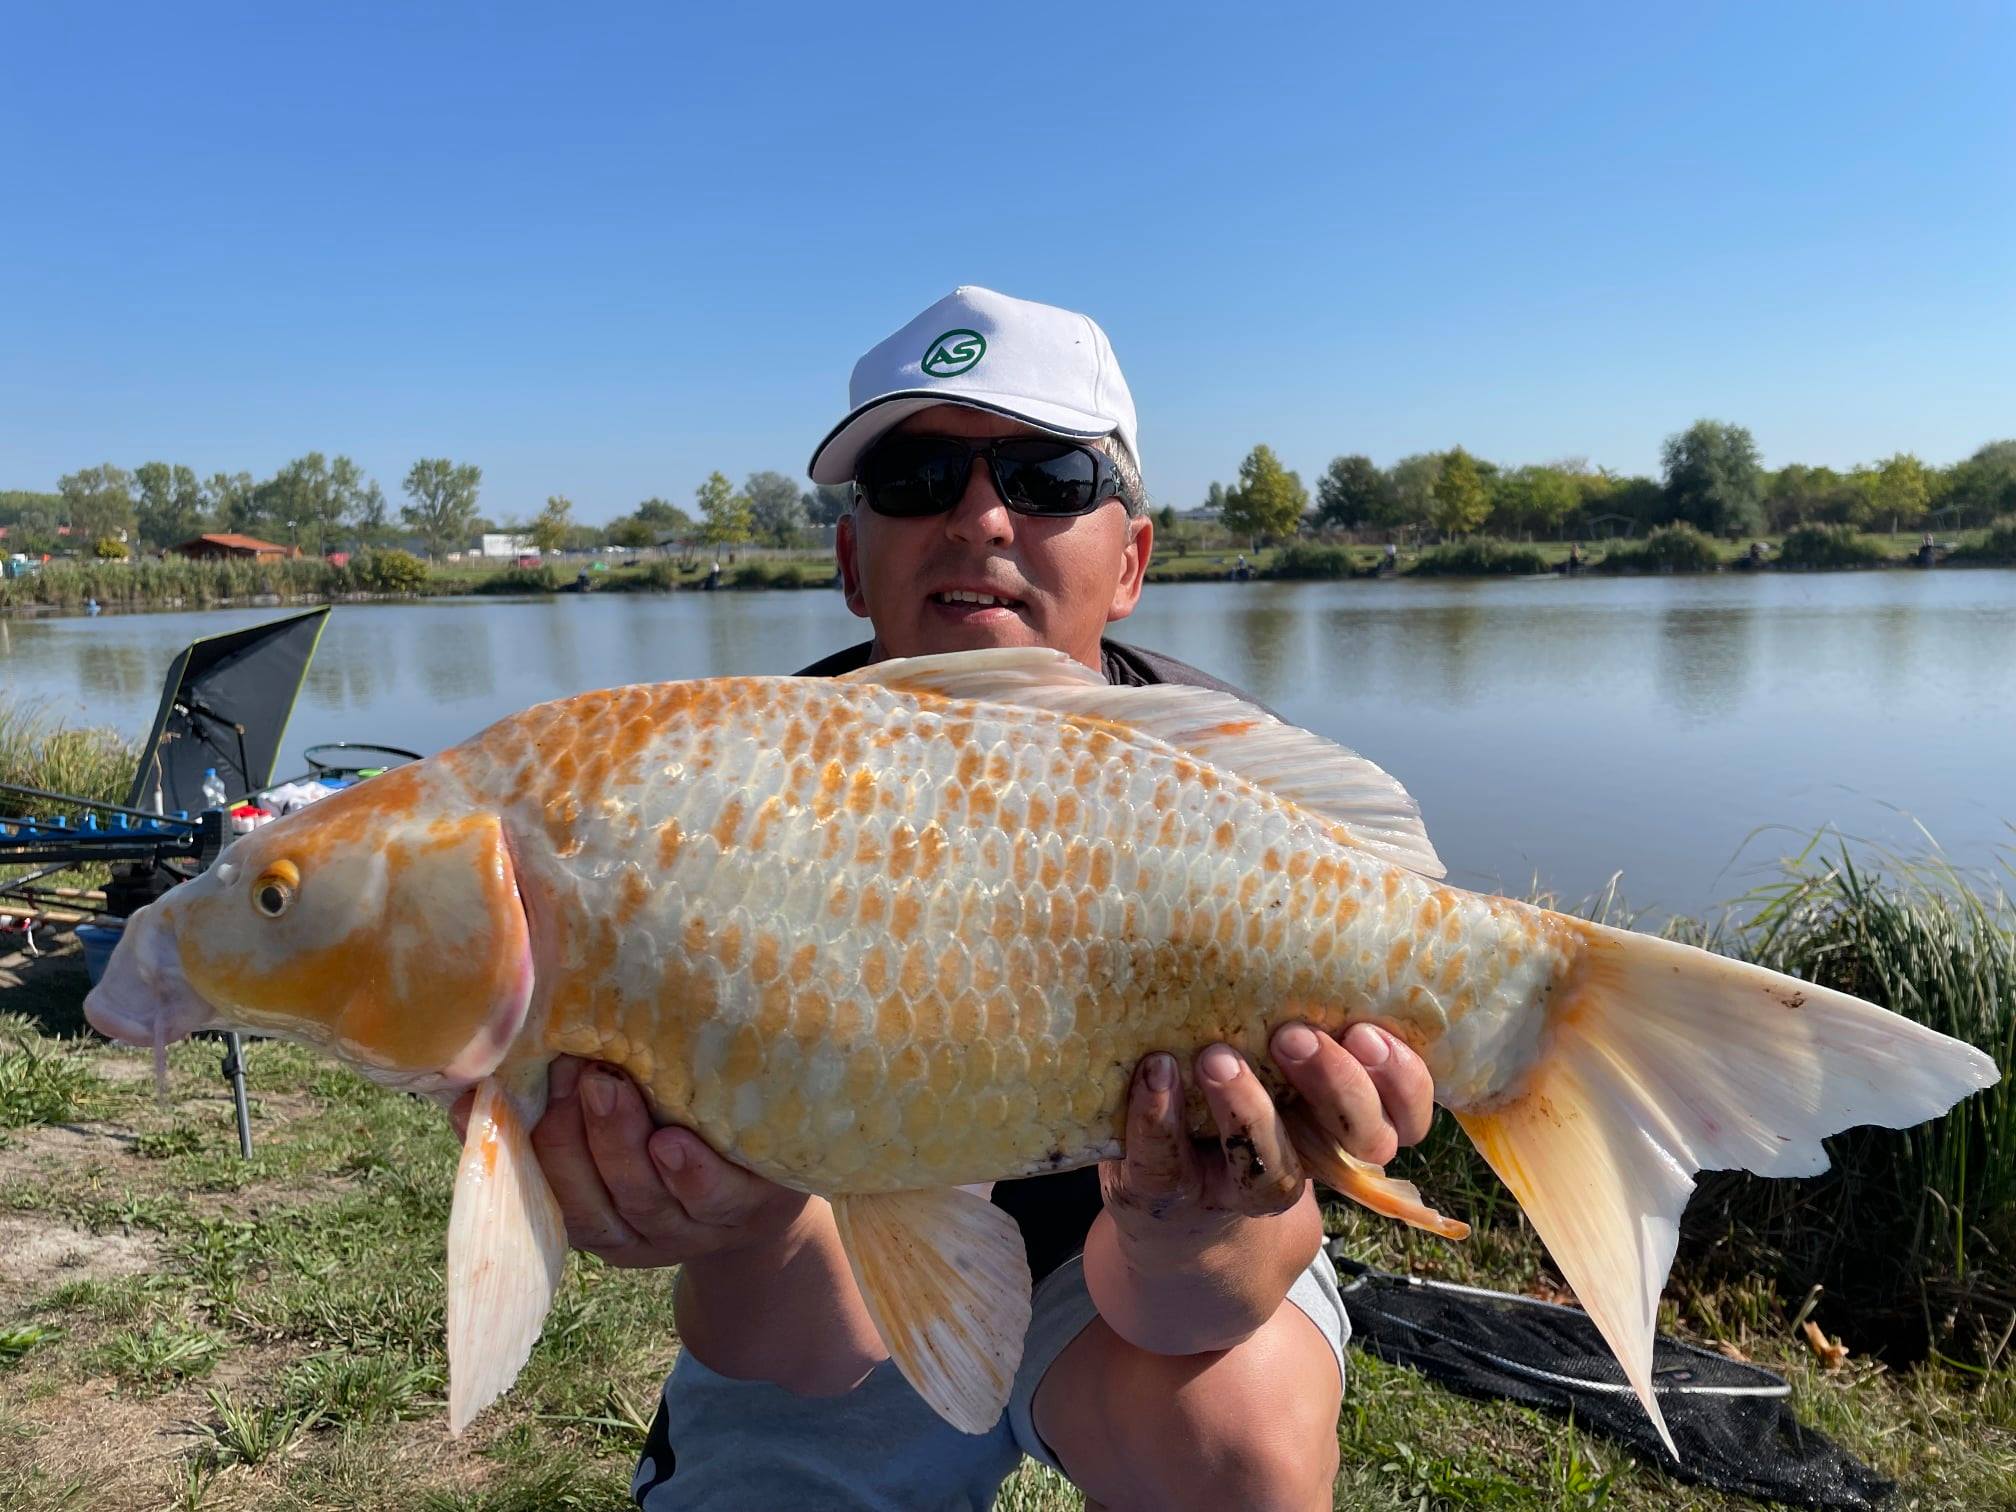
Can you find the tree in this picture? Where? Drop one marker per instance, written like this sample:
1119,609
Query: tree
1897,490
1353,494
229,500
549,531
775,510
170,506
828,502
1165,520
444,501
1983,486
369,519
1798,494
1713,481
1462,503
724,514
664,521
1412,481
1214,498
97,502
632,533
1268,501
1536,500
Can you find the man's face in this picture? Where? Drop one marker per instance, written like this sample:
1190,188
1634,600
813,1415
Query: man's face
1061,581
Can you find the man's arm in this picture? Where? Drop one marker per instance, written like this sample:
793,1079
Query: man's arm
1196,1249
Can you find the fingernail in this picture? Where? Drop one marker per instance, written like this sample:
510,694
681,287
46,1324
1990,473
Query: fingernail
670,1154
1295,1044
566,1076
1161,1073
1369,1045
1219,1065
599,1092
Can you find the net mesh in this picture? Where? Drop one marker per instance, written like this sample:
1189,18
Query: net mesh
1731,1420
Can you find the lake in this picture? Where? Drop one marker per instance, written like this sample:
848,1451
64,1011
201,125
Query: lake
1685,731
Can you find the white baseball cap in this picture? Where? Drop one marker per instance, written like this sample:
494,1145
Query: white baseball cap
1050,368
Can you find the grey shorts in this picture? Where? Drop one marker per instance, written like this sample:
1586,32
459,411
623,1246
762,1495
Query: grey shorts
727,1445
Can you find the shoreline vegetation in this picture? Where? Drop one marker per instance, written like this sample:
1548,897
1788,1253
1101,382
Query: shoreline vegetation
246,1306
176,583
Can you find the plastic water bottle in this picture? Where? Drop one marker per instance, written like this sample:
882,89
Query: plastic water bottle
214,795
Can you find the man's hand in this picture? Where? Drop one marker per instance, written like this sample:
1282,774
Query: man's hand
1371,1091
1199,1243
636,1196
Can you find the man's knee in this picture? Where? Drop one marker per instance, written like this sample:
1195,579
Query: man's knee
1253,1427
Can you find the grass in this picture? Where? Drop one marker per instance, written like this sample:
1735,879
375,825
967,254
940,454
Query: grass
280,1344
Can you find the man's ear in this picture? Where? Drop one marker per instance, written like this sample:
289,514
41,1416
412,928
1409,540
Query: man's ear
1133,567
846,550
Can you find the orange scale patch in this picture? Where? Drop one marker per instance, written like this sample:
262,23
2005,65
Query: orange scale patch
915,973
745,1055
904,912
907,1067
774,1009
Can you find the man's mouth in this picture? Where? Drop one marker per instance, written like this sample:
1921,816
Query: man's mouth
969,601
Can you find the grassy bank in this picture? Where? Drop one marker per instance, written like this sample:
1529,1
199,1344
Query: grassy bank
182,1328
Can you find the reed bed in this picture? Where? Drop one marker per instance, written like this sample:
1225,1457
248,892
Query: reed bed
41,752
1829,548
196,584
1483,556
1670,548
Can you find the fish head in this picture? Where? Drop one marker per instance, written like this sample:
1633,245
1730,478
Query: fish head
383,924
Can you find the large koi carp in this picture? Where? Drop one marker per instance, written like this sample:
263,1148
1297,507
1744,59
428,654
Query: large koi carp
883,936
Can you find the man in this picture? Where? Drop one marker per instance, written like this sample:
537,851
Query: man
999,503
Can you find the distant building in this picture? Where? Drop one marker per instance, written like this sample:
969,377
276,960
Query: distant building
212,548
501,545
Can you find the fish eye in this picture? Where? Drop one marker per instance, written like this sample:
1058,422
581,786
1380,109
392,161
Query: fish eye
274,889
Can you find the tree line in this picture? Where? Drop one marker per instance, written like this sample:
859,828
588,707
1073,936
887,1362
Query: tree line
321,503
1712,478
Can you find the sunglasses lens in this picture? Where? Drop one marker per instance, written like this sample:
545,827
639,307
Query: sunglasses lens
1046,477
912,476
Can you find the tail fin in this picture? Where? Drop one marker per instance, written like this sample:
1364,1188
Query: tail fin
1665,1060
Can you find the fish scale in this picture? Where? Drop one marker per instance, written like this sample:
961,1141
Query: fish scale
1012,919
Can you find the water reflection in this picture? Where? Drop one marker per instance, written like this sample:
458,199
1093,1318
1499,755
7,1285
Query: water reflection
116,670
1265,634
1563,729
1706,656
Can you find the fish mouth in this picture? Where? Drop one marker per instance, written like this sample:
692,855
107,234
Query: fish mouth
143,998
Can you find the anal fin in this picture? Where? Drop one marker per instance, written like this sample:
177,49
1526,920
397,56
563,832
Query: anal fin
507,1249
946,1278
1364,1183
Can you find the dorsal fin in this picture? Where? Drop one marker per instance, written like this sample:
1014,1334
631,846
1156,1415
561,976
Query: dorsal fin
1214,726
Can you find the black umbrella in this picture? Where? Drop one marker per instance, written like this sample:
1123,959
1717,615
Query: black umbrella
225,704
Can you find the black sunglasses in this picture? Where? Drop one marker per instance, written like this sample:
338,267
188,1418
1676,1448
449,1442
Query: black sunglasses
913,476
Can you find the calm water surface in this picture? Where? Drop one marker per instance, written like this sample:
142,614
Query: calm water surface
1683,731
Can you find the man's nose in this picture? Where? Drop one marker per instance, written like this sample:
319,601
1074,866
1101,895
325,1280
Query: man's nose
981,514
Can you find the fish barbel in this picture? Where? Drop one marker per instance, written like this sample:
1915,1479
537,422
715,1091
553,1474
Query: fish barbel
882,936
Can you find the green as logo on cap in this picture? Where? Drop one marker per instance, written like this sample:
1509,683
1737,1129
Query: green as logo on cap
953,353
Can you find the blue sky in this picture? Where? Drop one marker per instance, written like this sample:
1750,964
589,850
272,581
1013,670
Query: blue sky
606,251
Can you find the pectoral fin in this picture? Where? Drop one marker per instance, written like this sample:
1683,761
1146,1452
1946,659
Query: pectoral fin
946,1279
507,1247
1364,1183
